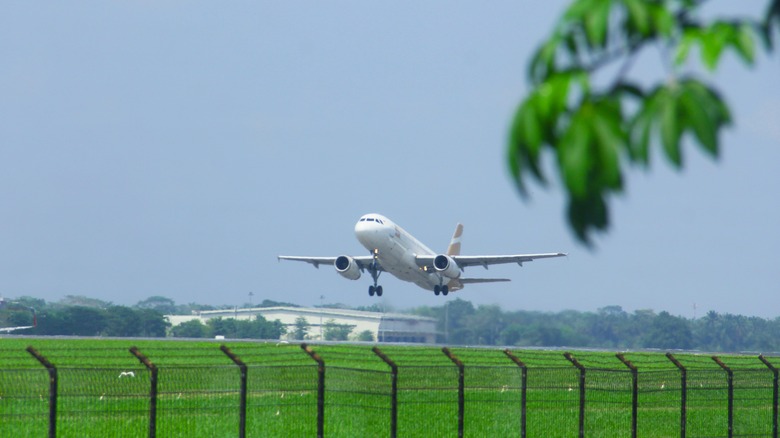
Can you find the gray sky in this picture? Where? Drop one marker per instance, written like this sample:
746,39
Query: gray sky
176,148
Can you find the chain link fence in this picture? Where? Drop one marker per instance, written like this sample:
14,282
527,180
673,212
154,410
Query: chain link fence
263,389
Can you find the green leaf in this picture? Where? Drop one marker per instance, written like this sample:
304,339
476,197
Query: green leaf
551,96
573,155
543,62
586,214
609,140
577,10
771,19
705,103
694,113
638,15
639,140
513,159
717,108
526,130
596,23
661,20
690,37
713,40
744,44
524,145
670,127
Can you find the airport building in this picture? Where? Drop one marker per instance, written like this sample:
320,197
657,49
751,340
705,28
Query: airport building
385,327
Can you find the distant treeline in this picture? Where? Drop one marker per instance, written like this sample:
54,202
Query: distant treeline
83,316
610,328
459,323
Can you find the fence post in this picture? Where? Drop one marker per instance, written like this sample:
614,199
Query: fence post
320,389
580,367
461,388
683,392
730,380
523,385
393,390
634,391
152,391
242,397
774,393
52,389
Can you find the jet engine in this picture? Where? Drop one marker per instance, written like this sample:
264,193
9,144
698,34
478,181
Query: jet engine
446,266
347,267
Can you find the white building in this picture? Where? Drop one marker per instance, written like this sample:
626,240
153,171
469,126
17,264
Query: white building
385,327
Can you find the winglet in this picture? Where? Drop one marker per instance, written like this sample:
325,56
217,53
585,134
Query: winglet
454,248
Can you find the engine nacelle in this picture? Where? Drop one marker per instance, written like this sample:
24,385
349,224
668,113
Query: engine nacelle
347,267
446,266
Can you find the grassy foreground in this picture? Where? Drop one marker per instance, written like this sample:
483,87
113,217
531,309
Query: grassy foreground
104,391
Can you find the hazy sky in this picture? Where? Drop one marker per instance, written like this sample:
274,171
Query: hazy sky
176,148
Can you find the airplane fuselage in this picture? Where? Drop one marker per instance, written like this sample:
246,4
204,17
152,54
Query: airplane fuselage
395,249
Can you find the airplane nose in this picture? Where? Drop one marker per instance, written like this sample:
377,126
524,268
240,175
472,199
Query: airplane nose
368,232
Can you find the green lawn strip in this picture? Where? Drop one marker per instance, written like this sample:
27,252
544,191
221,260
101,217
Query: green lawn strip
199,386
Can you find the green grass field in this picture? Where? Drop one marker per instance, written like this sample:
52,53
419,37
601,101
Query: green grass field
198,391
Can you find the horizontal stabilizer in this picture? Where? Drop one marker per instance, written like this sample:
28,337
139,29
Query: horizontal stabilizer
482,280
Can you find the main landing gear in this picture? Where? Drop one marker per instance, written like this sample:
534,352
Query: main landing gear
443,289
375,290
374,270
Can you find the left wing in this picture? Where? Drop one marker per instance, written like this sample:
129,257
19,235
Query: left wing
363,262
464,261
13,329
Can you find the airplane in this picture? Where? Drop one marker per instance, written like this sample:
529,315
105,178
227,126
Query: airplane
3,303
394,250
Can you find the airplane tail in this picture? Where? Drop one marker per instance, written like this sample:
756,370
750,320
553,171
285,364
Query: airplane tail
454,248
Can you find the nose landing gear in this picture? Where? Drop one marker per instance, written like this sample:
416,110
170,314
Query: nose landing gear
375,271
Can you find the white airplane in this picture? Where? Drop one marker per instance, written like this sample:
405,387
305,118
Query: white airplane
396,251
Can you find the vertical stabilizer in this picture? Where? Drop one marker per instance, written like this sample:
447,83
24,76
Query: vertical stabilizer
454,248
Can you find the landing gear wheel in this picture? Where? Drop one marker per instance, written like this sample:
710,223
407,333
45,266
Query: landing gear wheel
379,291
371,291
445,290
436,289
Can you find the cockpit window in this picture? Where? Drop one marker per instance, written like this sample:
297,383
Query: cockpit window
362,219
370,219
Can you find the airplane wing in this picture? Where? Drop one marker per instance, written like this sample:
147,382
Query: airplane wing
362,261
486,260
13,329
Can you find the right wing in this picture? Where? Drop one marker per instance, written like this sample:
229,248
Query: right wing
363,262
464,261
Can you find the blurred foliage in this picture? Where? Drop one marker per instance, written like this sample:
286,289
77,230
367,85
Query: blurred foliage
595,127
